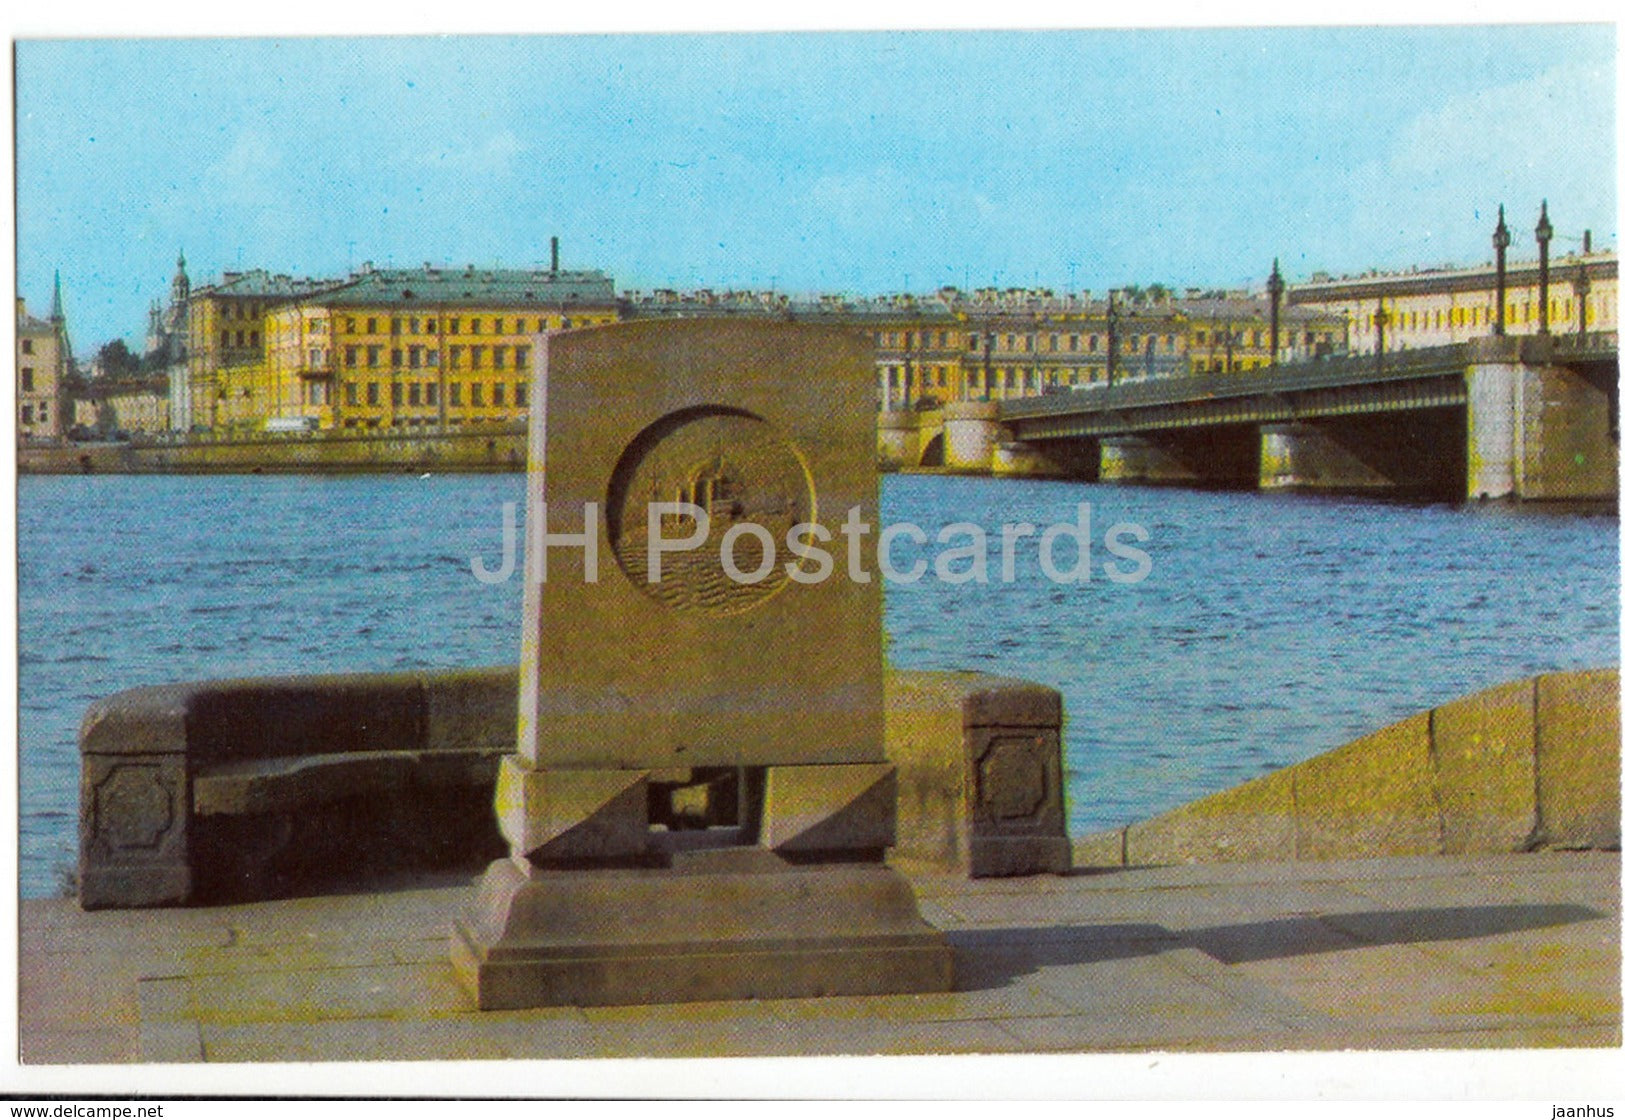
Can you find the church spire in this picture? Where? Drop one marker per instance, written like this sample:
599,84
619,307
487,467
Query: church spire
180,288
56,300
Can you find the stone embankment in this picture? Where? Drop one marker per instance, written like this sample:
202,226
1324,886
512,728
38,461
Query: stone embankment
485,449
1525,766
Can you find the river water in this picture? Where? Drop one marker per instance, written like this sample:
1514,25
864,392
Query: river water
1268,628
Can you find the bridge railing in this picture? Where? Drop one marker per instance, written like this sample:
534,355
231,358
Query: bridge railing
1592,343
1319,374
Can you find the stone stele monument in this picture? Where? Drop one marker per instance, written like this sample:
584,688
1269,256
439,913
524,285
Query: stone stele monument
699,803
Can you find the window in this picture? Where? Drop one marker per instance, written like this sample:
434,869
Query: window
496,326
476,357
372,393
454,325
412,326
518,326
349,324
499,357
253,338
476,395
395,358
372,356
434,359
395,325
28,414
395,394
414,394
428,327
520,395
372,326
349,357
315,356
456,356
521,357
28,346
1072,343
498,394
473,326
430,393
414,357
456,395
349,393
28,379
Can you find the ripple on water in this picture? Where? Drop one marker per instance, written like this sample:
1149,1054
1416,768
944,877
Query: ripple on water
1268,630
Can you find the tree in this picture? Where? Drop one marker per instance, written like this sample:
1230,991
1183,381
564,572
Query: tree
116,360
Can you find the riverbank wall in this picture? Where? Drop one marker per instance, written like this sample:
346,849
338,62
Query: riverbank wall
1526,766
473,450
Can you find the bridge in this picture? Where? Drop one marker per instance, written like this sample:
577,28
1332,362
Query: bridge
1534,418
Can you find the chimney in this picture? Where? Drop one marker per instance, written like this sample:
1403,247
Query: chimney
1585,246
555,256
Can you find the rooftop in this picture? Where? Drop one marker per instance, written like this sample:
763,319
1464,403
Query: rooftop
470,285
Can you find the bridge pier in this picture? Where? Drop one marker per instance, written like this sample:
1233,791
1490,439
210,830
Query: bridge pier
1537,430
1046,459
1202,457
899,439
970,435
1306,457
1415,452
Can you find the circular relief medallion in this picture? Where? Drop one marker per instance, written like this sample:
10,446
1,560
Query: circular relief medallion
728,470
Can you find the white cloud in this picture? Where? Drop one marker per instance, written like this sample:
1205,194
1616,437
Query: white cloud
1433,196
496,154
245,174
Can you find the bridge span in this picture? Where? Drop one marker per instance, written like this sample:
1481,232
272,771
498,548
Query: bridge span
1531,418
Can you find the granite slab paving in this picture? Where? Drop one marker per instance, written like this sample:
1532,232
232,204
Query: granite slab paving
1426,952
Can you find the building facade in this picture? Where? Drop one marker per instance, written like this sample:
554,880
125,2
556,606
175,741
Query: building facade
1438,307
44,361
223,383
437,349
425,349
137,406
1000,344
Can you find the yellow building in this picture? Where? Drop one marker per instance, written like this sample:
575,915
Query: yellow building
134,406
418,349
1231,333
43,363
225,346
1000,344
1439,307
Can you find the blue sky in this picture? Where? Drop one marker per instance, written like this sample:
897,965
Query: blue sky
863,162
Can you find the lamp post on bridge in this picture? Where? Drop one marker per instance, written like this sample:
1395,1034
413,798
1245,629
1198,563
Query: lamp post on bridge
1111,336
1543,235
987,360
1501,240
1582,289
1381,321
909,395
1276,287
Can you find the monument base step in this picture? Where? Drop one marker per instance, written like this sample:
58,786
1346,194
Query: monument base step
734,923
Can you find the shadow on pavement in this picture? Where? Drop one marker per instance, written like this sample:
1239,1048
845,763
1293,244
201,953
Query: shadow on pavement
992,958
